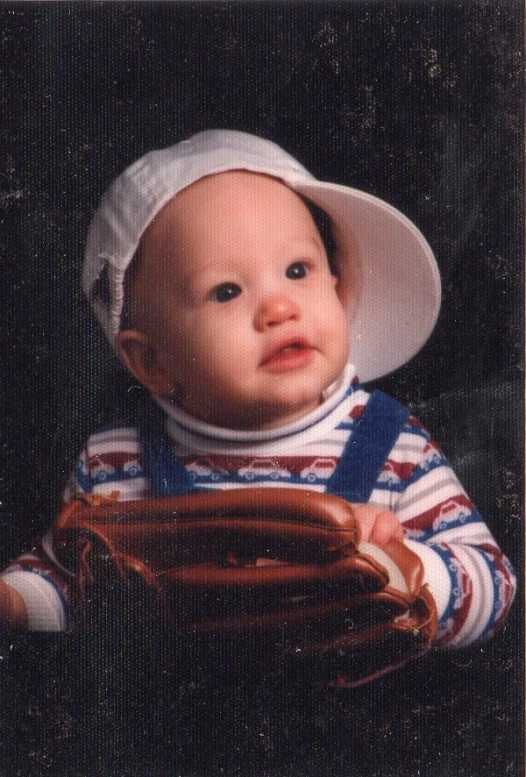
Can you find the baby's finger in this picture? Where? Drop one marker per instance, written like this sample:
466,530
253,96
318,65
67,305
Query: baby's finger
386,527
366,516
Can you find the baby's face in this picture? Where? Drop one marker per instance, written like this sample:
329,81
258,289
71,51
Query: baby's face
238,314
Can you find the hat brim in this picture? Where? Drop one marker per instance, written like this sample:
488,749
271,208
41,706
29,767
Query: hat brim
395,286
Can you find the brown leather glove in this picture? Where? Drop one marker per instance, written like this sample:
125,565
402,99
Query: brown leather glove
283,569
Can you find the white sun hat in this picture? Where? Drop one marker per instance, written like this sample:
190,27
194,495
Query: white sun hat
387,268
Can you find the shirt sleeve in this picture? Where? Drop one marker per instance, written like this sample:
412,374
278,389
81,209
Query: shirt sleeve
110,461
47,588
471,580
47,594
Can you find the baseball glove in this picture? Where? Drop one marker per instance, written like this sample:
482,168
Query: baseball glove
280,571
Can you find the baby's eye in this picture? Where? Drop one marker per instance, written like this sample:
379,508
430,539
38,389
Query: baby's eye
296,271
225,292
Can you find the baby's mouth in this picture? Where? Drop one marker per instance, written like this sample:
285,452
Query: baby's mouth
291,348
288,354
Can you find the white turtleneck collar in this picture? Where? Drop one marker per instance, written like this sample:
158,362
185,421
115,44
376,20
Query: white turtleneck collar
202,436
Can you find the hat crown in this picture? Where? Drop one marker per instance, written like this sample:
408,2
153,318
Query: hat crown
163,173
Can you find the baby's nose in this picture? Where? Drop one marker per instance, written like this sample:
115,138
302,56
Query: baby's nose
275,310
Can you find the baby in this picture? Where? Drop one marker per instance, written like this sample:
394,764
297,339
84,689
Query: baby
207,269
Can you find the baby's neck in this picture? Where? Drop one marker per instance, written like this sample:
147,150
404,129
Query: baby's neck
194,426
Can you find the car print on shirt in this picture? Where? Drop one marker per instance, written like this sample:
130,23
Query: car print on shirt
204,468
265,468
447,632
319,469
82,475
132,468
389,475
503,591
451,512
431,457
100,470
81,469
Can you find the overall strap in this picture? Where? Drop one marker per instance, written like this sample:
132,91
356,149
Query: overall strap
369,445
166,471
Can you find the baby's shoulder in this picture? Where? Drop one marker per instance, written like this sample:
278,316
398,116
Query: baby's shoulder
120,435
111,454
117,430
385,409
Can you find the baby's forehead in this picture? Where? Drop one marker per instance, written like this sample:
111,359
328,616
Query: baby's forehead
230,183
232,196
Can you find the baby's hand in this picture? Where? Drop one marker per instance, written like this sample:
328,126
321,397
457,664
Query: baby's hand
13,613
377,525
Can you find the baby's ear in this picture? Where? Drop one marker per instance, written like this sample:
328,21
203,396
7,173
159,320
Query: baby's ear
140,358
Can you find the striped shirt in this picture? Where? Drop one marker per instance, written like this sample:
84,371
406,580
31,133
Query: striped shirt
471,580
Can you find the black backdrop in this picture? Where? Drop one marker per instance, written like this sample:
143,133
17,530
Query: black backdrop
417,102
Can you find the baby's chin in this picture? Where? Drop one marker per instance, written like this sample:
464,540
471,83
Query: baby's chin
273,418
257,411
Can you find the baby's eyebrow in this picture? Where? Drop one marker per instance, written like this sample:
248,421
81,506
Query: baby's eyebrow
311,242
195,284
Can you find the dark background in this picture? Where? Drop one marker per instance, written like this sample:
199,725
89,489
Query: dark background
418,103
